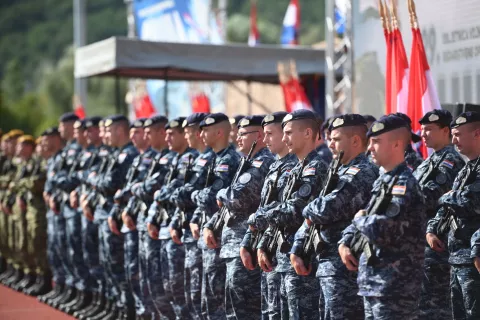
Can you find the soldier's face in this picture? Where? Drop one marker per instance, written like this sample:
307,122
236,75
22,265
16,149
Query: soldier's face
233,133
109,135
246,137
340,141
432,134
78,134
380,148
293,136
209,135
10,147
92,134
273,135
191,135
66,130
24,150
465,139
175,139
137,137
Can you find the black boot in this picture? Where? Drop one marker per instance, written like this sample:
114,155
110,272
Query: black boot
86,309
71,303
3,264
27,280
114,314
99,307
105,312
15,278
67,296
84,302
43,284
7,273
51,294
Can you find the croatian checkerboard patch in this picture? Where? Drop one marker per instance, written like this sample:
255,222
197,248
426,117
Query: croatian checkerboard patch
447,164
399,190
352,170
222,168
257,163
309,171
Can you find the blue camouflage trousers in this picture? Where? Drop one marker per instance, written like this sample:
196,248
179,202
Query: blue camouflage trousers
193,279
155,266
434,300
465,286
391,308
213,285
242,291
303,293
61,249
54,261
174,277
114,267
132,270
73,230
275,296
90,249
340,299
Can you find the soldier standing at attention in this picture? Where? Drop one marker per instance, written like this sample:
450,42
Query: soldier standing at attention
300,134
458,217
390,262
435,176
348,191
241,199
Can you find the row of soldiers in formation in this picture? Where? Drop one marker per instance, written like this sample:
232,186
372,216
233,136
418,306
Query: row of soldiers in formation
167,219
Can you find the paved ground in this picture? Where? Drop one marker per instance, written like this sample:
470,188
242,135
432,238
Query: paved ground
17,306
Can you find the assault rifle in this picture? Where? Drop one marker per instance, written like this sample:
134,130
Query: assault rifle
380,202
432,170
449,221
313,242
162,215
270,196
277,239
224,215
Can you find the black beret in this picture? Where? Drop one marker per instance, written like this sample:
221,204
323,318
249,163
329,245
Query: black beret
79,124
250,121
194,119
138,123
415,137
175,123
326,124
369,118
302,114
465,118
68,117
276,117
439,116
115,119
347,120
236,119
212,119
386,124
50,132
154,120
93,122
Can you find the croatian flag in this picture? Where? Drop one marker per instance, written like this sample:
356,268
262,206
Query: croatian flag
291,24
254,36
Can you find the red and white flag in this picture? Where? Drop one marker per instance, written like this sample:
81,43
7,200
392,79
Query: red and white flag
295,96
78,108
144,107
423,95
399,73
254,35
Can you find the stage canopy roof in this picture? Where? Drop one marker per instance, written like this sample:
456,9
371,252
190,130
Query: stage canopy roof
133,58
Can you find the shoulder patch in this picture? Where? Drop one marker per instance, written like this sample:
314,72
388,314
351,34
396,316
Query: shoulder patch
308,172
222,168
257,163
245,178
163,160
147,161
399,190
393,210
352,170
71,152
410,167
305,191
217,185
103,153
447,164
441,178
87,154
202,162
121,157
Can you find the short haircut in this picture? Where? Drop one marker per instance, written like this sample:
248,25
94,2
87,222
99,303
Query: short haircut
360,131
310,124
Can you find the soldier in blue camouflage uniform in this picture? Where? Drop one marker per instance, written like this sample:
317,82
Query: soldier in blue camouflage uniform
73,223
333,212
215,134
389,279
234,128
173,253
179,227
111,252
58,202
300,133
89,161
240,200
154,301
461,205
273,299
412,158
53,146
136,173
436,175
